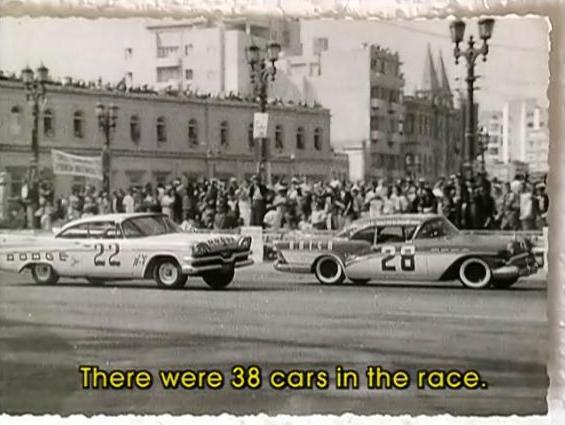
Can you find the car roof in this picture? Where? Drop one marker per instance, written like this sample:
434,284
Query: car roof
393,220
117,218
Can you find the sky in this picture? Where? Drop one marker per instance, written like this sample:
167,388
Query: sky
517,64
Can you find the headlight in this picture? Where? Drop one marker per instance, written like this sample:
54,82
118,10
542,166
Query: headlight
244,243
199,249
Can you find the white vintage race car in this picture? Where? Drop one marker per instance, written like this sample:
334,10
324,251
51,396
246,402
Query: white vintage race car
124,247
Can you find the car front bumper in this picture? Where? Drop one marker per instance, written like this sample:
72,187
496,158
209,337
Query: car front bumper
292,268
197,266
519,265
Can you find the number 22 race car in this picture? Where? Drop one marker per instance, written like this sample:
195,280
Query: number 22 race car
409,248
124,247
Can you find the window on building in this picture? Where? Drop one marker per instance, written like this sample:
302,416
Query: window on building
161,130
279,137
300,138
192,132
320,45
188,74
250,138
15,121
78,124
134,128
48,123
382,66
188,49
224,134
168,73
318,139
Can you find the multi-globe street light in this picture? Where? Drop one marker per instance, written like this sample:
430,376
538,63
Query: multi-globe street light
471,53
107,120
263,70
35,91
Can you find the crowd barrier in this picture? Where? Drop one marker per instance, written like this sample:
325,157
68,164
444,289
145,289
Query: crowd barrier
264,240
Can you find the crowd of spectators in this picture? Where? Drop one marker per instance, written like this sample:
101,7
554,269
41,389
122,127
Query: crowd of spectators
298,204
124,87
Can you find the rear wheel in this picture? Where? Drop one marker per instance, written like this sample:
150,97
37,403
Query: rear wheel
328,271
219,279
168,274
504,283
475,273
43,274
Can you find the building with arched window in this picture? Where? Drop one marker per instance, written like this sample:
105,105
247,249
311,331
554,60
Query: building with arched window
161,137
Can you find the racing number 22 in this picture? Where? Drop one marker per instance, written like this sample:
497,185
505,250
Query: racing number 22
98,258
407,263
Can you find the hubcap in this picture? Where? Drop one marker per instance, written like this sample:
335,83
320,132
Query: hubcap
475,272
168,273
329,269
42,271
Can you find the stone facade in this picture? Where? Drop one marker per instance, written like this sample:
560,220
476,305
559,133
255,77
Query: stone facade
159,138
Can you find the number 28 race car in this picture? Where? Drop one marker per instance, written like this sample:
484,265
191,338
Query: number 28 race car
409,248
127,246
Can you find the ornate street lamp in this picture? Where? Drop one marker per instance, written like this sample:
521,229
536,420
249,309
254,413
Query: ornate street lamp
107,120
35,91
471,53
484,139
263,70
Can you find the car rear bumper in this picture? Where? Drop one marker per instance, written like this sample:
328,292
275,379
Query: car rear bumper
197,266
292,268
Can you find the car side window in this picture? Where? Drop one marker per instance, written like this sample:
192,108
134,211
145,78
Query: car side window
431,230
390,234
409,232
131,230
104,230
80,231
367,234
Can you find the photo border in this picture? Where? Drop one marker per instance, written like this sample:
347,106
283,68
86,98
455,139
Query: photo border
553,10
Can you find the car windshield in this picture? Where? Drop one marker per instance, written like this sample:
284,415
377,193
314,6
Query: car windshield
437,228
152,225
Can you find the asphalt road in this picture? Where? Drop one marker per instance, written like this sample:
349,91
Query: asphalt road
276,321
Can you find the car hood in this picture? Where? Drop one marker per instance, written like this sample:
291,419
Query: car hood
213,240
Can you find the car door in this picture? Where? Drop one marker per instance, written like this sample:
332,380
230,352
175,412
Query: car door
400,259
77,252
108,258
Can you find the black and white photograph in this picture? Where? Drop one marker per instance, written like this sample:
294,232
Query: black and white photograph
272,214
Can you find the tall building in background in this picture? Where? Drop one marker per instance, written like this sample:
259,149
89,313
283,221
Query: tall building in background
364,97
518,136
209,57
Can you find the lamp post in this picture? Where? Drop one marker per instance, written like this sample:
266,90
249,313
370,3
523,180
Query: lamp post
484,139
34,86
471,53
263,70
107,120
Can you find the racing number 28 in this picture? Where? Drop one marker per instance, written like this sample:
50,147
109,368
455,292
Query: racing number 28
407,263
98,258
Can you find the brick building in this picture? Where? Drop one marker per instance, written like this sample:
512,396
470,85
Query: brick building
160,137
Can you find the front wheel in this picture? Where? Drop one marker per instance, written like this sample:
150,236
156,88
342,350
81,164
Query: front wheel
504,283
168,274
475,273
328,271
43,274
219,279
